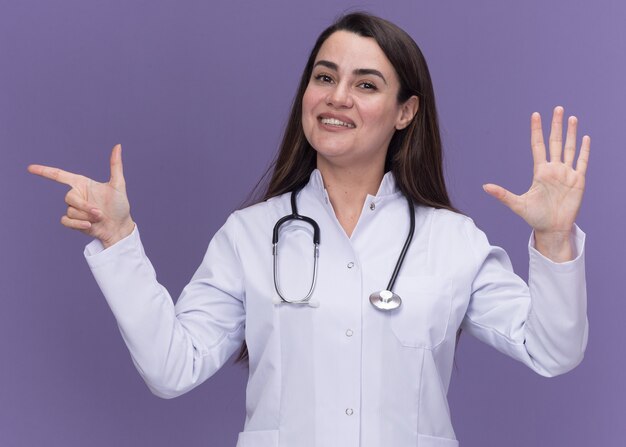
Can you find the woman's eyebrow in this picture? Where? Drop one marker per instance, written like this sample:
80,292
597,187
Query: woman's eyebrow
369,71
358,71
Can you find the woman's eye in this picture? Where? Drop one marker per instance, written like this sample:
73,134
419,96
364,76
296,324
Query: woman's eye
367,86
323,78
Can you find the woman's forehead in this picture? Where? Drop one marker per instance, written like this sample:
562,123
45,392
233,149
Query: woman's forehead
350,51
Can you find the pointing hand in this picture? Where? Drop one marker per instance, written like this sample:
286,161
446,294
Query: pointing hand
100,210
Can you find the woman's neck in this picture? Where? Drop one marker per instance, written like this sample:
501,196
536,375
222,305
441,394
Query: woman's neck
347,188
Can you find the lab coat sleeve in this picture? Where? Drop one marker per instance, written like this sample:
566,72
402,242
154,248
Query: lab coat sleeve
174,347
542,324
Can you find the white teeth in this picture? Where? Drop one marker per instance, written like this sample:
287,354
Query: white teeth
336,122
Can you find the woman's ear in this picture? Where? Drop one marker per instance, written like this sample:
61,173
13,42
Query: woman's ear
408,111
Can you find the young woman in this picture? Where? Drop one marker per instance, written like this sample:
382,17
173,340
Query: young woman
351,342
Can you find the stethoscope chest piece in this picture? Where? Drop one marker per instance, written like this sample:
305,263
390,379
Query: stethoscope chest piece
385,300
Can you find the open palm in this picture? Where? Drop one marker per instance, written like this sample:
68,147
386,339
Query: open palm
554,198
551,204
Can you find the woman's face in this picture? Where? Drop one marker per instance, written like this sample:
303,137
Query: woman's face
350,109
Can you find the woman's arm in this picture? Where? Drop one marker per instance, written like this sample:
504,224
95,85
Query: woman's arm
173,347
542,324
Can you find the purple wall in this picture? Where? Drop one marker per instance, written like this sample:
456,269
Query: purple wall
198,93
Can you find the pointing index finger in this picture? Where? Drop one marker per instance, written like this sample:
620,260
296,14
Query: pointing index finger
56,174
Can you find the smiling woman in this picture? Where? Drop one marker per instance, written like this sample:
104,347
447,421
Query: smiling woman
360,162
350,113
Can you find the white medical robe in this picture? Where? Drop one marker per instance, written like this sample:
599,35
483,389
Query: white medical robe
343,373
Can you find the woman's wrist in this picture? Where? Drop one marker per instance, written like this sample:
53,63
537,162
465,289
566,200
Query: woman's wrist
125,230
556,246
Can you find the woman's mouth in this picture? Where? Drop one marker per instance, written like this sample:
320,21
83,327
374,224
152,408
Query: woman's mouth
336,122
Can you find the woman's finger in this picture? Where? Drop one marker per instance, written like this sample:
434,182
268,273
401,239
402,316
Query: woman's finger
570,141
536,139
73,198
74,213
556,135
96,215
583,157
56,174
75,224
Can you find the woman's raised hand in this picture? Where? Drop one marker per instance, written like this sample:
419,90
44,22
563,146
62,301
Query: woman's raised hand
100,210
551,204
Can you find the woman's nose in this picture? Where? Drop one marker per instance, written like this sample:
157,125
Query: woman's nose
339,96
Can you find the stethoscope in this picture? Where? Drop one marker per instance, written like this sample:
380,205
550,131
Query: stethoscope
383,300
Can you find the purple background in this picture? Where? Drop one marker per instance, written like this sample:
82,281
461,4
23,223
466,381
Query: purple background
198,93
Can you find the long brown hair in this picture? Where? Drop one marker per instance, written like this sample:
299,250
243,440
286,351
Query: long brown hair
414,155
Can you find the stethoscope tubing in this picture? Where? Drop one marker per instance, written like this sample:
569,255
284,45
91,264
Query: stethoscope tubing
382,300
405,248
316,250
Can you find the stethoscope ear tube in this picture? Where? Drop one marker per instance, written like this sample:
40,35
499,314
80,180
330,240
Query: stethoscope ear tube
316,250
295,216
382,300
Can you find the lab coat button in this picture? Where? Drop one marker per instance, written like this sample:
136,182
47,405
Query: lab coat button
349,333
350,265
349,411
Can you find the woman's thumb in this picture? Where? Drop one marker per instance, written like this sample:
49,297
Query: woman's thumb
117,170
503,195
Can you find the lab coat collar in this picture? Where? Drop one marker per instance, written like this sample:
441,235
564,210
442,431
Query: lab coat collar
387,186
